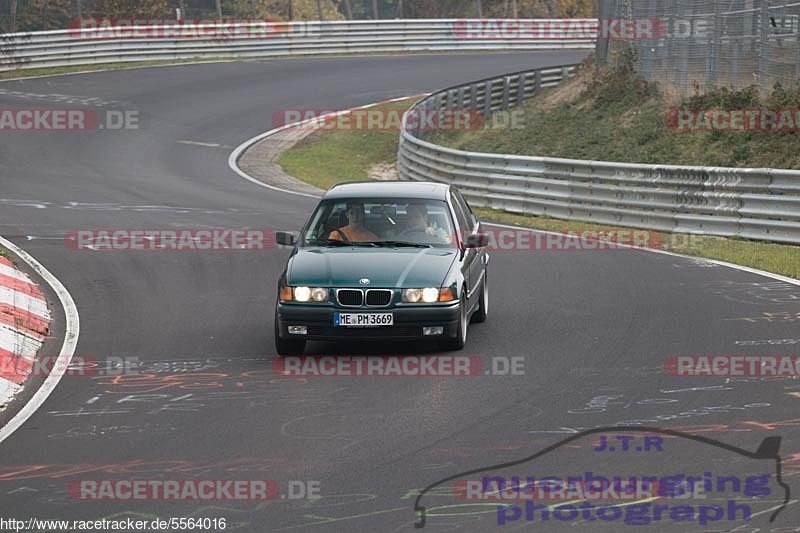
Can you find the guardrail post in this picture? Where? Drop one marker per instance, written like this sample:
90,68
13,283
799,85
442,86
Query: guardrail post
521,88
487,99
537,87
506,91
473,96
461,91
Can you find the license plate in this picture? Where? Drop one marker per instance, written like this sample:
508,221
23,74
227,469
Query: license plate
363,320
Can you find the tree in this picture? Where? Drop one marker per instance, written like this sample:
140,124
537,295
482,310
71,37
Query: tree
39,15
284,9
13,16
131,9
348,10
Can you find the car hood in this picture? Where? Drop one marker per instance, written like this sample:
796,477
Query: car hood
385,268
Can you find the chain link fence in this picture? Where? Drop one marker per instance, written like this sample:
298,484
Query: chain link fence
699,45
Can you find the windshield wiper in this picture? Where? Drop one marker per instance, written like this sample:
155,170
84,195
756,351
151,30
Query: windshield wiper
402,244
337,242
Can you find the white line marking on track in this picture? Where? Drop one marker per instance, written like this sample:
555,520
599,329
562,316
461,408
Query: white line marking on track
209,145
237,153
71,333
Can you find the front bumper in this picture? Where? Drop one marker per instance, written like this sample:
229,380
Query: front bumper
408,322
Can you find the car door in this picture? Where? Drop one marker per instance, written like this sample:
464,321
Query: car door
472,264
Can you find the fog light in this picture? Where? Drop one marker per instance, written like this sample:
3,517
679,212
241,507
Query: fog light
298,330
432,331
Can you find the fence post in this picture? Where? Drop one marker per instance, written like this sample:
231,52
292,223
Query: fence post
796,31
601,50
715,45
763,45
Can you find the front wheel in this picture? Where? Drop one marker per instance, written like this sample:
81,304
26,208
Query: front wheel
483,304
461,334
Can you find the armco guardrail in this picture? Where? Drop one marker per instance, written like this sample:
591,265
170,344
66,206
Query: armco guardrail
261,39
761,204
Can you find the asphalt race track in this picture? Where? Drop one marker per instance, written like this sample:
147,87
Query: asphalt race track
593,328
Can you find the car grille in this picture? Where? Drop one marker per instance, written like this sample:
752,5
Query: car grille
379,297
350,297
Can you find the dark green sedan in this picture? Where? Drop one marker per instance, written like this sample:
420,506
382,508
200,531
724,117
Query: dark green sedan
384,260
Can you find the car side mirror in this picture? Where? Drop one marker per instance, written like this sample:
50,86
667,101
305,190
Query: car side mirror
477,240
285,238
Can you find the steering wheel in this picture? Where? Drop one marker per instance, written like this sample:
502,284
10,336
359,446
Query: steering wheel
342,235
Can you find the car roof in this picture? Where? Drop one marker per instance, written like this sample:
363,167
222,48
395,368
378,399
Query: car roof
388,189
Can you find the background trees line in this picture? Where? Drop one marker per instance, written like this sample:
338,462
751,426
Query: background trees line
31,15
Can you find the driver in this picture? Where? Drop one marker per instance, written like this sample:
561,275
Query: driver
354,231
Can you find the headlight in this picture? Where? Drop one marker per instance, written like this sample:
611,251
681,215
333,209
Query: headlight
319,295
428,295
304,294
412,295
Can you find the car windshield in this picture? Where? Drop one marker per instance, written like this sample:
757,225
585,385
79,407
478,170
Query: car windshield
389,223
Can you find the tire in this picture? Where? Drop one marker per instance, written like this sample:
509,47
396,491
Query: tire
461,334
483,305
288,347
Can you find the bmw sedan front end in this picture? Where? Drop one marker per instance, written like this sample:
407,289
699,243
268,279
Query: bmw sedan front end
383,261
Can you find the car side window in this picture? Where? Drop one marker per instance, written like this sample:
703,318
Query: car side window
462,217
468,210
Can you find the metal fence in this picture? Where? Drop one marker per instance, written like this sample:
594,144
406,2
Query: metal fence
759,204
84,47
703,44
